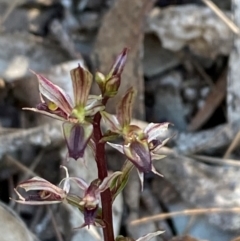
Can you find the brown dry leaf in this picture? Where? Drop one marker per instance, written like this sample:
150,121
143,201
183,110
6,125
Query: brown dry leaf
123,27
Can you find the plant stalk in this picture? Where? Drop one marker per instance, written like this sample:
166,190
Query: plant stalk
106,197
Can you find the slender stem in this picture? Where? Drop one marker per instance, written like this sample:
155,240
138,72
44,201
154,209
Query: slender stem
106,197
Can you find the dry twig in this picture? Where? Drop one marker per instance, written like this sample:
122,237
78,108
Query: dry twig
222,16
232,146
215,160
187,212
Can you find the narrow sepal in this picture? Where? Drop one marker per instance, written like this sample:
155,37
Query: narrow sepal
111,122
119,63
66,182
55,94
155,172
124,109
93,106
116,146
106,183
77,137
155,156
47,113
141,178
154,130
80,182
81,81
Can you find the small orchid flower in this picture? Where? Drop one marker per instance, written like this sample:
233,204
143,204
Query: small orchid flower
47,192
91,198
110,83
143,238
58,104
140,146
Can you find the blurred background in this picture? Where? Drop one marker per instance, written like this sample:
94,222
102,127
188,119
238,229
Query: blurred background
184,61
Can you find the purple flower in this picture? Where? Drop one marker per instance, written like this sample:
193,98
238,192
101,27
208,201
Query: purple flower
140,146
58,104
47,192
91,198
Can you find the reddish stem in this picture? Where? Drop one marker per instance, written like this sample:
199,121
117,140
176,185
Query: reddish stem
106,197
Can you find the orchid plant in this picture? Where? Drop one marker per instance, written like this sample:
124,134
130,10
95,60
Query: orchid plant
82,119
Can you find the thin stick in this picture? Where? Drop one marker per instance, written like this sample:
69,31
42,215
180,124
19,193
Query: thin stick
34,164
9,11
55,226
232,146
215,160
20,165
222,16
187,212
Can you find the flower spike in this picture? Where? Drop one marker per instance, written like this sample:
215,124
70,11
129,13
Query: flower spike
91,198
141,147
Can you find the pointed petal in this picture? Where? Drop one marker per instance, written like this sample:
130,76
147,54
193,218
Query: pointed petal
124,109
119,63
155,130
55,94
46,113
155,172
37,202
66,184
107,181
155,156
116,146
141,177
93,106
81,81
150,236
111,122
38,183
139,154
80,182
77,137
